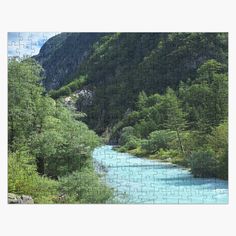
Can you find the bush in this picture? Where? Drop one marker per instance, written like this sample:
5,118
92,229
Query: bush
166,154
64,91
203,164
23,179
64,145
84,186
69,88
132,143
158,139
218,141
145,126
126,134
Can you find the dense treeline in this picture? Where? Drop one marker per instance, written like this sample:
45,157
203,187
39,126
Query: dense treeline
118,66
68,89
121,65
187,126
162,95
157,95
49,150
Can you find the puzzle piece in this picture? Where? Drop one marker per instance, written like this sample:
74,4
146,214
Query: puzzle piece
26,43
134,179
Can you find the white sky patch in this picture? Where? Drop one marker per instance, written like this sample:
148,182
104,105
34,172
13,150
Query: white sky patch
27,43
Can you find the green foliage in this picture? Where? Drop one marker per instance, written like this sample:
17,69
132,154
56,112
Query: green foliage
62,55
128,139
206,100
142,99
208,70
126,134
84,187
174,116
64,145
121,66
157,140
124,72
170,155
69,88
24,95
218,141
56,143
189,130
203,164
132,143
144,127
213,163
23,179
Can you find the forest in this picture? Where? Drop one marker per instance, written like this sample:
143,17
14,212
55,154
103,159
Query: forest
187,127
49,146
160,96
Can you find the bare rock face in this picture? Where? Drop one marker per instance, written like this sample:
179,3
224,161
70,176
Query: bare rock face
16,199
62,55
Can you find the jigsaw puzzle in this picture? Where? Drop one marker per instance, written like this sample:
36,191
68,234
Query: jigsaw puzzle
118,118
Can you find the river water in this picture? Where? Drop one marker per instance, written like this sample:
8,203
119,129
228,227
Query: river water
139,180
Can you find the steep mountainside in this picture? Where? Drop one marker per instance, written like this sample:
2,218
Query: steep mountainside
61,55
125,64
120,65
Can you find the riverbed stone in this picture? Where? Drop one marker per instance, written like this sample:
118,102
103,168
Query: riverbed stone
19,199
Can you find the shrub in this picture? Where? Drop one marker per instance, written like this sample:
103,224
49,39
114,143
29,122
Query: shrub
166,154
203,164
23,179
69,88
126,134
63,145
84,186
218,141
158,139
132,143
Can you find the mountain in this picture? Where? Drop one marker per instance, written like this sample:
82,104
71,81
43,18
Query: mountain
61,55
123,65
119,66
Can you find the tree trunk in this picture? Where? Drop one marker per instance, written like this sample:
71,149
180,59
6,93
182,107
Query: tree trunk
180,142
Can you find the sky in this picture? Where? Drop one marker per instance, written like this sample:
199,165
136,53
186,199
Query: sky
27,43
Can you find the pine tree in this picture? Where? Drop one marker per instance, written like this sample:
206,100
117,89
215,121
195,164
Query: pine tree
175,117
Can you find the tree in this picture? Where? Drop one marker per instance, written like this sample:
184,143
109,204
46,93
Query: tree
84,187
24,179
218,141
175,117
24,93
126,134
206,99
56,143
158,139
208,70
142,99
64,145
203,164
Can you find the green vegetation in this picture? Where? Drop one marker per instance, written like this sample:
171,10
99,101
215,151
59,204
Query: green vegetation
46,143
189,129
157,95
69,88
120,66
84,187
61,56
24,179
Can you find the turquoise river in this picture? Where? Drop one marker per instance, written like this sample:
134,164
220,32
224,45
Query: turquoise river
139,181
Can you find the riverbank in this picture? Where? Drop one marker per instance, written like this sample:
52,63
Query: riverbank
163,158
201,164
138,180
